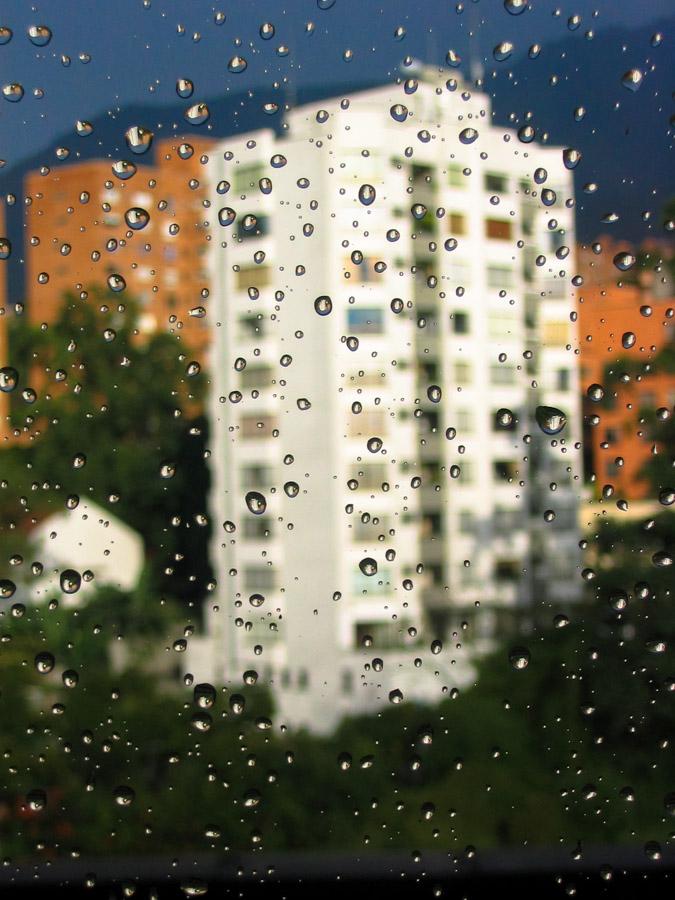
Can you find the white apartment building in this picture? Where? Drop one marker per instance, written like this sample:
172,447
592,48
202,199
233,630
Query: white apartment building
386,270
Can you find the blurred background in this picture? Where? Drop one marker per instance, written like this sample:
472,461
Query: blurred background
337,380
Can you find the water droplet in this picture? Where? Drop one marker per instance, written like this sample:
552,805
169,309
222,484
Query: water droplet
323,305
40,35
136,218
267,31
7,588
550,419
237,64
503,51
13,92
5,248
344,761
468,135
36,799
124,795
116,282
504,418
83,128
632,79
303,403
595,392
653,850
368,566
571,157
70,581
138,139
197,114
367,194
167,470
624,261
44,662
5,34
515,7
70,678
9,379
123,169
628,339
184,88
519,658
194,887
618,599
226,215
256,503
396,696
399,112
374,444
667,496
291,489
661,559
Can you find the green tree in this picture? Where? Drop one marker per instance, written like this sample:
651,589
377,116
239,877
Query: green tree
117,420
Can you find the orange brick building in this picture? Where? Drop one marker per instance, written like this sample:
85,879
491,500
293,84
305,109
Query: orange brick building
4,318
80,231
623,325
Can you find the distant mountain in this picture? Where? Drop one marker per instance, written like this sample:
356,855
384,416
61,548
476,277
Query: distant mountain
626,138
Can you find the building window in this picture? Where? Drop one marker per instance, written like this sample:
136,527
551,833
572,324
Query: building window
555,334
246,176
456,177
460,323
251,326
467,521
256,376
457,223
505,521
260,228
500,276
562,380
496,183
507,570
252,276
366,320
504,470
369,477
258,528
371,422
259,578
255,476
501,325
253,426
498,229
460,273
465,419
463,372
502,374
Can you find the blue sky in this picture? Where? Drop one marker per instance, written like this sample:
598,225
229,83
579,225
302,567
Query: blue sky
137,52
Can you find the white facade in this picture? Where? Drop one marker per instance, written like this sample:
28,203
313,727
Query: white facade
99,547
426,315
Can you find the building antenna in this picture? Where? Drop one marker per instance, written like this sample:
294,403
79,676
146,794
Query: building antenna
476,70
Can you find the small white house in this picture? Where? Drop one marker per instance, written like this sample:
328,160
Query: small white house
83,549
